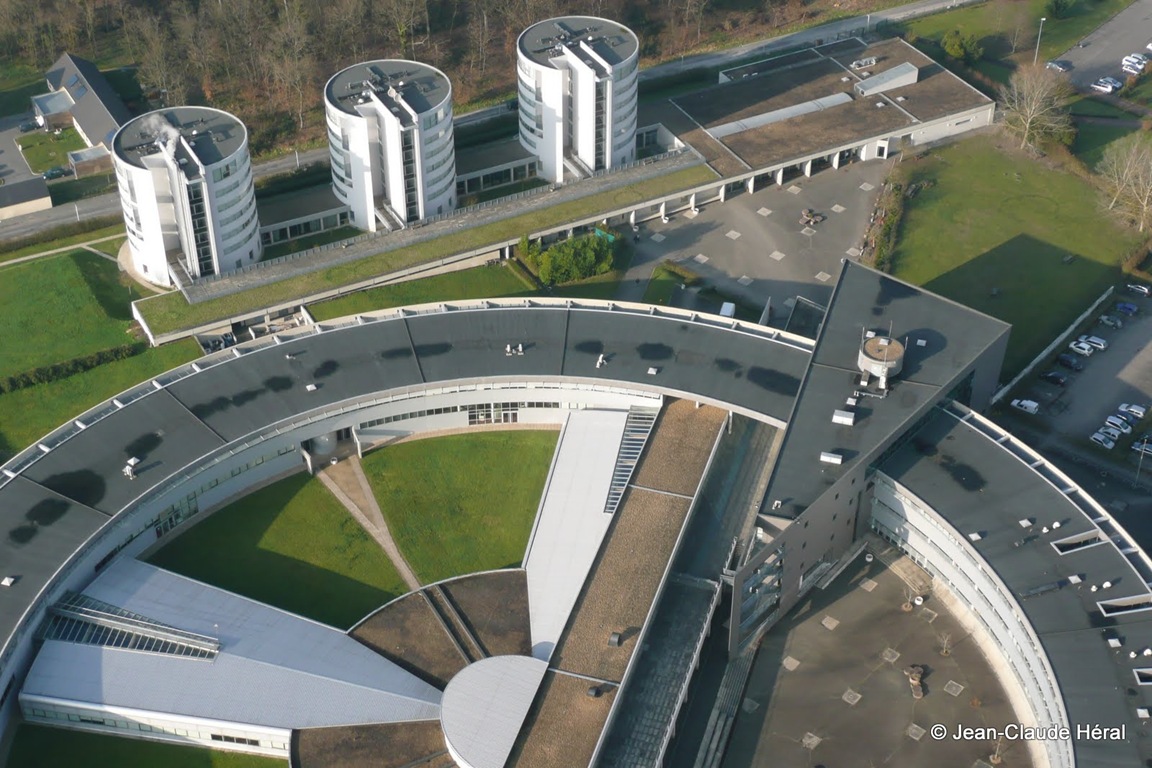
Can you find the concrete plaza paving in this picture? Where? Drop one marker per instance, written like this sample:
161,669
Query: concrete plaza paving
828,688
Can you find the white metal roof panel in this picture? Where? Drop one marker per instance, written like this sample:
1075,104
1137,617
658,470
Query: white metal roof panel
571,523
485,705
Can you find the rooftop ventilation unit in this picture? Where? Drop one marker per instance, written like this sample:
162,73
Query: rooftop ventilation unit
847,418
880,356
828,457
863,63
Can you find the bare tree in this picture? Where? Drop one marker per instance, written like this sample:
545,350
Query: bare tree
945,640
480,35
1035,105
1126,172
402,16
161,64
292,46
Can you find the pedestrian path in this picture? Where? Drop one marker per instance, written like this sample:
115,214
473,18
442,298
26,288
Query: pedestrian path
346,481
65,249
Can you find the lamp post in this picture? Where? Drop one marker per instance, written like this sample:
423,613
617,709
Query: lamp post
1038,36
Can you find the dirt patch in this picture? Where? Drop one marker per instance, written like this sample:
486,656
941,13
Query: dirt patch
382,745
407,632
494,607
564,724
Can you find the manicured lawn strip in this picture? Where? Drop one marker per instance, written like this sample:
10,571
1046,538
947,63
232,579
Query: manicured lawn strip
477,283
62,242
661,287
38,746
1092,140
61,307
43,150
998,219
291,545
462,503
309,241
26,415
1087,106
170,312
110,247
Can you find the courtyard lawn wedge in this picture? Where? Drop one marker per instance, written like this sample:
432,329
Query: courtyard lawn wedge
462,503
291,545
37,746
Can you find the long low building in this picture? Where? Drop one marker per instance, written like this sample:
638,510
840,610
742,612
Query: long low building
878,435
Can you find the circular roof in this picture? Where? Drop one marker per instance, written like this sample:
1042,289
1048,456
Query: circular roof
484,707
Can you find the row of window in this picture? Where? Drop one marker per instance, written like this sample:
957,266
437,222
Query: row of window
475,409
128,725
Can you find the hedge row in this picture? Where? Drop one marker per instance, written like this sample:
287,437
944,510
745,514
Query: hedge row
891,212
56,371
60,232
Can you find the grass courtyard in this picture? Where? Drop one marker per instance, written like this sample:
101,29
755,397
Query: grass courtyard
291,545
997,219
43,149
37,746
462,503
61,307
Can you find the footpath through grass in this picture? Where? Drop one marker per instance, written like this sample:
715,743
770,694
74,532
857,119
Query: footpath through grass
26,415
462,503
291,545
998,219
8,254
171,312
38,746
61,307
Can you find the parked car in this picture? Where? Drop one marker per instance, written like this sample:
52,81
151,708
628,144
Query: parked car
1071,362
1102,86
1139,290
1081,348
1111,321
1103,441
1054,377
1139,411
1127,308
1028,406
1131,69
1119,424
1116,84
29,126
1094,341
57,173
1109,432
1143,445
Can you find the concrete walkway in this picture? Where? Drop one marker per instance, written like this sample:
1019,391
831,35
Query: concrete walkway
54,251
347,482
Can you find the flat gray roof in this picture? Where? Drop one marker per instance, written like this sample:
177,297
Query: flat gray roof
612,42
953,337
422,87
312,201
210,134
978,484
487,156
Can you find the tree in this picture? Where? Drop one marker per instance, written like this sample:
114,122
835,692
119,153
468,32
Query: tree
1058,9
1035,105
961,47
1126,173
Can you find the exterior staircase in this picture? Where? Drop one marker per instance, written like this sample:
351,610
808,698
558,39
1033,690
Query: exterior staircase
636,430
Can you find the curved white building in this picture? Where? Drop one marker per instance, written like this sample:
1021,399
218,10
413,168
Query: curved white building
577,80
390,138
185,181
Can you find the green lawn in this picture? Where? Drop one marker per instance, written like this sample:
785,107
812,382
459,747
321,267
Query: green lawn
291,545
661,287
171,312
477,283
43,150
1088,106
60,307
27,415
1092,140
462,503
8,253
110,247
998,219
308,241
38,746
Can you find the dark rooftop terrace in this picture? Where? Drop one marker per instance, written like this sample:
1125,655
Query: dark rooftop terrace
977,485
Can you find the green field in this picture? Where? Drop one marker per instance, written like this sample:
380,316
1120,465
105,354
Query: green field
291,545
37,746
171,312
661,286
1088,106
43,150
462,503
478,283
26,415
999,219
61,307
1093,139
8,253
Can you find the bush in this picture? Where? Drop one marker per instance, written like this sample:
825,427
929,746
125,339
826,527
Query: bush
687,276
891,207
961,47
1059,9
56,371
569,260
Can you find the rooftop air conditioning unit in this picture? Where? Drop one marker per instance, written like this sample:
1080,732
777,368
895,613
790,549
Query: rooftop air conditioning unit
828,457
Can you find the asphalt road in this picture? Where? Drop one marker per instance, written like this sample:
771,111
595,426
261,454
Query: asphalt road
109,205
1127,32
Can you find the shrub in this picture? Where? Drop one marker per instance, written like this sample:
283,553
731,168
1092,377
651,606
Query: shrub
687,276
1059,9
56,371
961,47
569,260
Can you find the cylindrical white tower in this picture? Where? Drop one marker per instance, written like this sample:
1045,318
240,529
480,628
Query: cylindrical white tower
577,80
390,138
185,182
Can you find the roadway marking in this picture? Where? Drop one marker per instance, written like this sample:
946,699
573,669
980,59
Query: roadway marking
700,258
793,190
867,187
853,252
776,255
745,280
657,238
823,277
808,231
732,235
765,211
838,208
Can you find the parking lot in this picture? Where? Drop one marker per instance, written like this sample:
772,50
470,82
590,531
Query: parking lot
1126,32
754,247
12,166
